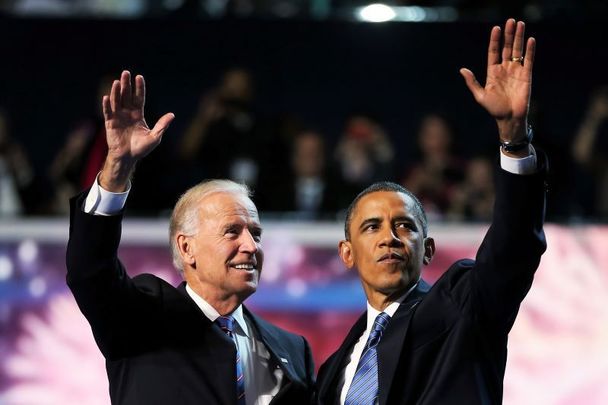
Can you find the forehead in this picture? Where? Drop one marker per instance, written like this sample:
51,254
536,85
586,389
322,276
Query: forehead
384,203
226,206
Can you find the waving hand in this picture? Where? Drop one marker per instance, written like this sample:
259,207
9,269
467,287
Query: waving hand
128,136
506,94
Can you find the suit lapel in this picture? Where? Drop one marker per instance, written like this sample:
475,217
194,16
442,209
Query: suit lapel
335,364
389,348
268,336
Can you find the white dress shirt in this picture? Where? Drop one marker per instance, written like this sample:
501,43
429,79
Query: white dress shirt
372,313
262,382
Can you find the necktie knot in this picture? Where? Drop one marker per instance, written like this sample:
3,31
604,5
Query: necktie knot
380,324
226,323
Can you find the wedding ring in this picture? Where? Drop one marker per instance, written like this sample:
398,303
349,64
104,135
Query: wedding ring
519,59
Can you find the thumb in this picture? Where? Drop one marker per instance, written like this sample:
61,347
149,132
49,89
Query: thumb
162,124
472,83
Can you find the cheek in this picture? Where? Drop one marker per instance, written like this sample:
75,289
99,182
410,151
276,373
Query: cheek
260,257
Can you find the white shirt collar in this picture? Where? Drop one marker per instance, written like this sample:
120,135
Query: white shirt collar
212,314
372,312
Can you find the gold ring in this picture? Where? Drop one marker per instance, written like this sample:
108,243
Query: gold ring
519,59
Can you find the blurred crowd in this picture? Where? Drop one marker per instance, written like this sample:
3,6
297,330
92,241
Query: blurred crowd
296,171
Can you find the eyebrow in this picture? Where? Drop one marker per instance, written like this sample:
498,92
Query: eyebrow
377,220
369,221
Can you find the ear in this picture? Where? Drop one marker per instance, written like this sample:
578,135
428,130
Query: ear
185,246
429,250
346,253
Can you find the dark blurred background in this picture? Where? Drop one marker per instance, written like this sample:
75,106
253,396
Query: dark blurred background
306,101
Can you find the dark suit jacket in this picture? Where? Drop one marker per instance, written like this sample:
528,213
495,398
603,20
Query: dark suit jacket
447,344
159,347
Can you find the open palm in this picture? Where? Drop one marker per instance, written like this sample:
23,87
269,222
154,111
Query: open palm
128,136
506,95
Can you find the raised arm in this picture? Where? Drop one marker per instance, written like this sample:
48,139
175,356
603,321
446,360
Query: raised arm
128,135
506,94
510,252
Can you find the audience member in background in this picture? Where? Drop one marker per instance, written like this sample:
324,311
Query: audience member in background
81,157
312,191
436,173
220,141
590,151
473,199
16,176
364,154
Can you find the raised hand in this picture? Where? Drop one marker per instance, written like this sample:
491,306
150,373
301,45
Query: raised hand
128,136
506,95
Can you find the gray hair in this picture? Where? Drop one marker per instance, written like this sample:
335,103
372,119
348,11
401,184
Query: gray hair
184,218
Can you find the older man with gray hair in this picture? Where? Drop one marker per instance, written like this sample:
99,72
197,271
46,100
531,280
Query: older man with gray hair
197,343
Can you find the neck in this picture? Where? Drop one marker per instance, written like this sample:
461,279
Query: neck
224,304
381,300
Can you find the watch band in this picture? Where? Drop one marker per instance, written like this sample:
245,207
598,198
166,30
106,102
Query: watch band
517,146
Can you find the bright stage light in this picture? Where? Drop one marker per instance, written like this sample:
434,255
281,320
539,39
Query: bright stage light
377,13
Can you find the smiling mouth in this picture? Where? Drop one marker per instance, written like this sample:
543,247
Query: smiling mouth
244,266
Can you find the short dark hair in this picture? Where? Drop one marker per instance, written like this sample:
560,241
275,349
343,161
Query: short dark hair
386,186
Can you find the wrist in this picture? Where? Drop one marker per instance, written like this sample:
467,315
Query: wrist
115,175
512,131
520,147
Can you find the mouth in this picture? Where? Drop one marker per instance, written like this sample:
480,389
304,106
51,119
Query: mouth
248,266
391,257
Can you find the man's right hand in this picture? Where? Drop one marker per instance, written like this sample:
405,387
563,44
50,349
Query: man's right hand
128,136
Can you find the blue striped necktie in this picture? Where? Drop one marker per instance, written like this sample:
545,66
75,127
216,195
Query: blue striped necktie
227,325
364,387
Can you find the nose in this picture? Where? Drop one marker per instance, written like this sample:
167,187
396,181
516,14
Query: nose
248,243
389,238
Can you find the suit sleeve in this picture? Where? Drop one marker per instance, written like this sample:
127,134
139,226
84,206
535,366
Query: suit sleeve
106,295
310,370
511,250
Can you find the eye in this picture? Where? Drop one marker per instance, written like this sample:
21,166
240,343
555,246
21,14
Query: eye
232,231
405,225
257,234
371,227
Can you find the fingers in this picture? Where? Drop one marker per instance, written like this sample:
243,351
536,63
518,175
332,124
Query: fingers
123,96
139,98
115,96
161,125
107,108
472,84
507,49
125,88
518,43
494,47
529,59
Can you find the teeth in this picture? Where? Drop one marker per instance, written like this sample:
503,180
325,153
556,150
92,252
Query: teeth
244,266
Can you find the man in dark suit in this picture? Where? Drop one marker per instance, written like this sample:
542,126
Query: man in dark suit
197,343
445,344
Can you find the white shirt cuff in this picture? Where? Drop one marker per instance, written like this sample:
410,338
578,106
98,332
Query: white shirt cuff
526,165
104,202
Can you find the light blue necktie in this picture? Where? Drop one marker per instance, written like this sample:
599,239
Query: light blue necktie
227,325
364,388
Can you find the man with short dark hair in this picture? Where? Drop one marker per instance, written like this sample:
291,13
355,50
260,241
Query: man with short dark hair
197,343
445,344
